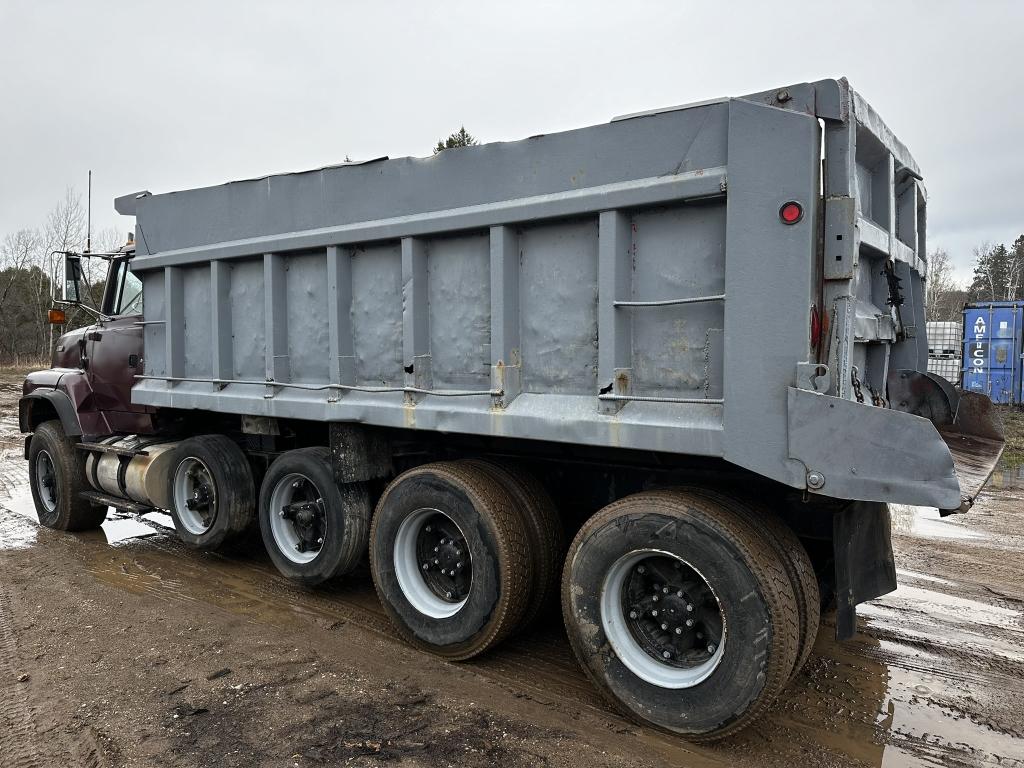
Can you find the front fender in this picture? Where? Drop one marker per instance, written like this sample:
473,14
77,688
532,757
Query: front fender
32,411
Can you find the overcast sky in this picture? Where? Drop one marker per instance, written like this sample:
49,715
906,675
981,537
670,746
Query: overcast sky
172,95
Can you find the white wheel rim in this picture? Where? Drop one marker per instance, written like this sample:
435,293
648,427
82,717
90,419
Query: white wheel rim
409,569
639,661
46,481
284,530
194,483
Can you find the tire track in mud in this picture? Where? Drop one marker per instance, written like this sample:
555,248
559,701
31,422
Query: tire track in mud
536,662
19,743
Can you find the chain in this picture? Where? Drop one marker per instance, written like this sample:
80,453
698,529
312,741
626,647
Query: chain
876,397
856,383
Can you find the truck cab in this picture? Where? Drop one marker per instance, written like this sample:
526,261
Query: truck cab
88,386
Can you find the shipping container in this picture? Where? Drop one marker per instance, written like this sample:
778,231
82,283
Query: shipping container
993,349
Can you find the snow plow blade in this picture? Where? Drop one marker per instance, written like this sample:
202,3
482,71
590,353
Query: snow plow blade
975,440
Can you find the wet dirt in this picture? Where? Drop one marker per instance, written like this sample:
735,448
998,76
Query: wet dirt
120,647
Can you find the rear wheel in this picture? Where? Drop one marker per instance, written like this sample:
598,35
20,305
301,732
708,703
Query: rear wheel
212,492
449,558
57,476
313,528
795,560
680,613
543,527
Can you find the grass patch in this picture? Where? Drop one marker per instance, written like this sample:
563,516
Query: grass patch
1013,424
23,369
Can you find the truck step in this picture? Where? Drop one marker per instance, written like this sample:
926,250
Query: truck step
104,448
123,505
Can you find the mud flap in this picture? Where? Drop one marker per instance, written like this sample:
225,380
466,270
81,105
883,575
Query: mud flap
865,568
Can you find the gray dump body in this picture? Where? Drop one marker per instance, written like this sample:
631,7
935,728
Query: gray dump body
627,285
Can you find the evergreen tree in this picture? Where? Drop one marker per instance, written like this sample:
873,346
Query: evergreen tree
462,138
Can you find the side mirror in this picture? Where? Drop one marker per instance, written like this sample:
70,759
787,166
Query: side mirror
72,278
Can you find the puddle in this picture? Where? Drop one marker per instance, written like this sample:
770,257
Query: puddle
901,572
971,627
927,720
925,522
120,529
1007,477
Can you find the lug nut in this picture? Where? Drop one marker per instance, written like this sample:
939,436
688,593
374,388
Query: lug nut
320,541
664,626
428,529
655,598
444,541
437,549
664,590
689,607
679,630
679,593
689,622
448,595
436,561
711,648
632,614
666,654
426,566
654,614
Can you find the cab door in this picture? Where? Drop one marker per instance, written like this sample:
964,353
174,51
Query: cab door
114,352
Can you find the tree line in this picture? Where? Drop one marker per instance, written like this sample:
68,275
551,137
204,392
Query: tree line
998,276
26,275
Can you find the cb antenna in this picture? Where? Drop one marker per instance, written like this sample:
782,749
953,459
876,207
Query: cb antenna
88,217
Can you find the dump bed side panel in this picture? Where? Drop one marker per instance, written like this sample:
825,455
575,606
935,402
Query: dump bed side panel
629,285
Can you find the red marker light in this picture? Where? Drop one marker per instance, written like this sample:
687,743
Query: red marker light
791,212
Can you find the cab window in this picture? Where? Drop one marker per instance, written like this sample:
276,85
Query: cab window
126,296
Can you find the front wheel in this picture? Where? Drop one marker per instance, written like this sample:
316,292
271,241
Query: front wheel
57,477
680,612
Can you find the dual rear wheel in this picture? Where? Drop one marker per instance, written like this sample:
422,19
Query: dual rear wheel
682,610
463,554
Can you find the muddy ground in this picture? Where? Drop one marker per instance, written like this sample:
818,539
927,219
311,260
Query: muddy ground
120,648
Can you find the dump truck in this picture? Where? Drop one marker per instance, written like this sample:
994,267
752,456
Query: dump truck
669,370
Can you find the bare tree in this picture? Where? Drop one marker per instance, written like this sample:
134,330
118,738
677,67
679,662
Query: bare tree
941,288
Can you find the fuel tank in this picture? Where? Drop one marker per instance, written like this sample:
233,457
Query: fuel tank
139,474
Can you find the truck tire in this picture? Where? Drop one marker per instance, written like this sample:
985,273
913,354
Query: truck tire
56,473
794,558
448,553
648,581
544,530
212,492
313,529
